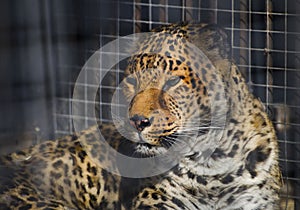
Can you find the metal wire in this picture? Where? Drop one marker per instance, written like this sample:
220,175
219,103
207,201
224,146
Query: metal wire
264,37
269,63
188,13
163,12
243,59
213,4
137,16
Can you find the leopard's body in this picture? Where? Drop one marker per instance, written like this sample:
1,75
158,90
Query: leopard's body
171,88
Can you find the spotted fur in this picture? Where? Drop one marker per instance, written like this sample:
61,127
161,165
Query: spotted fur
171,88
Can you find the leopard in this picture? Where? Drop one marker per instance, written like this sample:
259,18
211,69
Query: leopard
186,98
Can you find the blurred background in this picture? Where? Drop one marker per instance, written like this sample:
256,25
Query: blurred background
45,43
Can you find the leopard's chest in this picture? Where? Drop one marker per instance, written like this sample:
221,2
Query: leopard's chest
205,192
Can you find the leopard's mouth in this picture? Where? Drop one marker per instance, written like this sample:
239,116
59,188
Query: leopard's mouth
146,145
146,149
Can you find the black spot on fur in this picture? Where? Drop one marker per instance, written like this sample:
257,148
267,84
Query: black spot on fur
26,207
72,150
235,80
82,154
191,175
240,171
74,137
55,175
233,121
103,204
233,150
218,153
193,83
145,194
254,157
171,64
230,200
92,169
57,164
208,66
22,153
33,199
154,196
237,135
145,207
262,184
171,47
167,54
229,132
67,182
42,148
98,188
24,192
241,189
40,204
160,206
90,182
92,201
74,200
199,100
178,202
201,180
227,179
182,59
202,201
61,190
203,74
177,172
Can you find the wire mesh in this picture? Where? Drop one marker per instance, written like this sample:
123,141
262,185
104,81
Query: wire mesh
265,40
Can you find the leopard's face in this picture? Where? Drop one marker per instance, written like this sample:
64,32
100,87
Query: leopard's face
171,88
166,107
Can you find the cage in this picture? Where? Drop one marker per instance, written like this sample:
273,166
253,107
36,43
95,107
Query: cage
44,45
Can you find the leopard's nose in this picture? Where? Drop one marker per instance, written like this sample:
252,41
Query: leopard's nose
139,122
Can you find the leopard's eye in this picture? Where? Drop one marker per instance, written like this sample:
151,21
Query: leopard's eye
131,80
172,81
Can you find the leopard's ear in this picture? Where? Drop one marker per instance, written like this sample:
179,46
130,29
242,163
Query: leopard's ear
213,41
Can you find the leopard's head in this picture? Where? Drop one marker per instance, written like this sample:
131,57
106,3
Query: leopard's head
171,87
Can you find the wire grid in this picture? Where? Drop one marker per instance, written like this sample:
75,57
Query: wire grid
265,45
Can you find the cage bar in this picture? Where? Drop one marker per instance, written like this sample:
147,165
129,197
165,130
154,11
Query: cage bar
243,42
137,16
268,51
